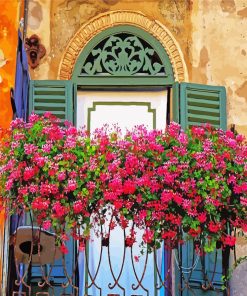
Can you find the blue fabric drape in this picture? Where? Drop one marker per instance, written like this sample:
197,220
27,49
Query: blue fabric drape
21,80
20,99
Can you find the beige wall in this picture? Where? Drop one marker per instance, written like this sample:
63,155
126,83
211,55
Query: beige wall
210,33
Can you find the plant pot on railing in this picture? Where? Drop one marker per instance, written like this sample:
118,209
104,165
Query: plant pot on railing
32,244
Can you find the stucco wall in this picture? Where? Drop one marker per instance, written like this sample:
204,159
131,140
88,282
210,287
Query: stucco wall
211,35
218,51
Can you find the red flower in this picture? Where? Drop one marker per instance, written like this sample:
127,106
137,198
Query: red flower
129,241
214,227
148,236
170,234
229,240
195,232
64,249
78,207
202,217
28,173
129,187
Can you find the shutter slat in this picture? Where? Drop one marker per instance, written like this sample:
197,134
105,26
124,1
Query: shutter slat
201,104
55,96
203,117
51,97
202,101
194,109
53,112
43,105
191,123
191,94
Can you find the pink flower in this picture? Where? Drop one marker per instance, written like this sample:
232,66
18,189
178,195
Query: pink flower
47,147
166,196
91,186
78,207
33,188
240,138
129,187
214,227
143,214
130,240
183,138
23,190
72,185
202,217
82,246
46,189
186,204
148,236
59,210
29,148
64,237
179,200
46,224
243,201
9,184
40,160
173,129
229,240
33,118
64,249
40,203
70,143
17,123
28,173
110,196
71,131
118,204
61,176
169,234
197,131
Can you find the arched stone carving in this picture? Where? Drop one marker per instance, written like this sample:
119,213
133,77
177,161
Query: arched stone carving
114,18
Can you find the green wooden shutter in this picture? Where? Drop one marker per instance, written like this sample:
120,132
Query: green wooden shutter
199,104
195,104
55,96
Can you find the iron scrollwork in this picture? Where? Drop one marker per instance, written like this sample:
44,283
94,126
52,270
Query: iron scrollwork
35,247
122,55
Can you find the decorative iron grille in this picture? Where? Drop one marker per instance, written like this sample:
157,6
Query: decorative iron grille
41,269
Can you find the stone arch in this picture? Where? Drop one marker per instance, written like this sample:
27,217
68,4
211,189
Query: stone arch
114,18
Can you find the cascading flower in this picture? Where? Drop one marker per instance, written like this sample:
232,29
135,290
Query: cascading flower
172,185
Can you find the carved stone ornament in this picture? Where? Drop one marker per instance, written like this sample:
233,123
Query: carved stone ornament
115,18
35,50
122,55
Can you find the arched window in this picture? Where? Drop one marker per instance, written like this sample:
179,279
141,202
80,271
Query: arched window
123,55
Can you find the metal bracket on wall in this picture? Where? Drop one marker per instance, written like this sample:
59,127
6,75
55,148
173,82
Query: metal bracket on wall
35,50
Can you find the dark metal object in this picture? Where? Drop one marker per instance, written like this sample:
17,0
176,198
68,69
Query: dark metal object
35,50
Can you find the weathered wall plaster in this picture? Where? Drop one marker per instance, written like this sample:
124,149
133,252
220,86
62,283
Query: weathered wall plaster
39,23
219,52
211,35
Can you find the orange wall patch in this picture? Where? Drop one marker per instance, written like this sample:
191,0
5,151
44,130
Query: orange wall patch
9,18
